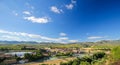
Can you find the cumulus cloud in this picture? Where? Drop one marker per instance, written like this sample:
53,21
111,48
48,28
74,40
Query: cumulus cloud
26,12
63,34
95,37
56,10
71,5
22,36
37,20
34,19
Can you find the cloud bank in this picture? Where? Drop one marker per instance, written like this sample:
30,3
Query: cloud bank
22,36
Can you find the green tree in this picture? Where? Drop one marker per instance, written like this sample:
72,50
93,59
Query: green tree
98,55
75,63
28,56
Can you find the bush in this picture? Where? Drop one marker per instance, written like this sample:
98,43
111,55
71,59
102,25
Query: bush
98,55
86,59
75,63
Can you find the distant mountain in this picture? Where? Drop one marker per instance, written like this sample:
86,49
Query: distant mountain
33,42
18,42
26,42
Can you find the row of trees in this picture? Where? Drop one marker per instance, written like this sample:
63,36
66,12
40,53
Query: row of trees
86,60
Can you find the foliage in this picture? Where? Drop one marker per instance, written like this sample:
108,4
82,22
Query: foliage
116,53
98,55
86,60
84,63
32,57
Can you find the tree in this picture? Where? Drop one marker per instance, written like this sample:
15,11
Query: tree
28,56
98,55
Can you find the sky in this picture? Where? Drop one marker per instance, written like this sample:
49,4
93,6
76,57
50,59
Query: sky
62,21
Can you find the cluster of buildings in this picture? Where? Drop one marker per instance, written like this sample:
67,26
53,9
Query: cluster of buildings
65,50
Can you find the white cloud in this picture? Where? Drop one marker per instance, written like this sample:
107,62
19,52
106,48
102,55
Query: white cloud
63,34
73,41
70,6
63,38
17,33
26,12
7,37
95,37
37,20
56,10
21,36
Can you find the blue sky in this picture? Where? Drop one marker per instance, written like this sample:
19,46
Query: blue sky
59,20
